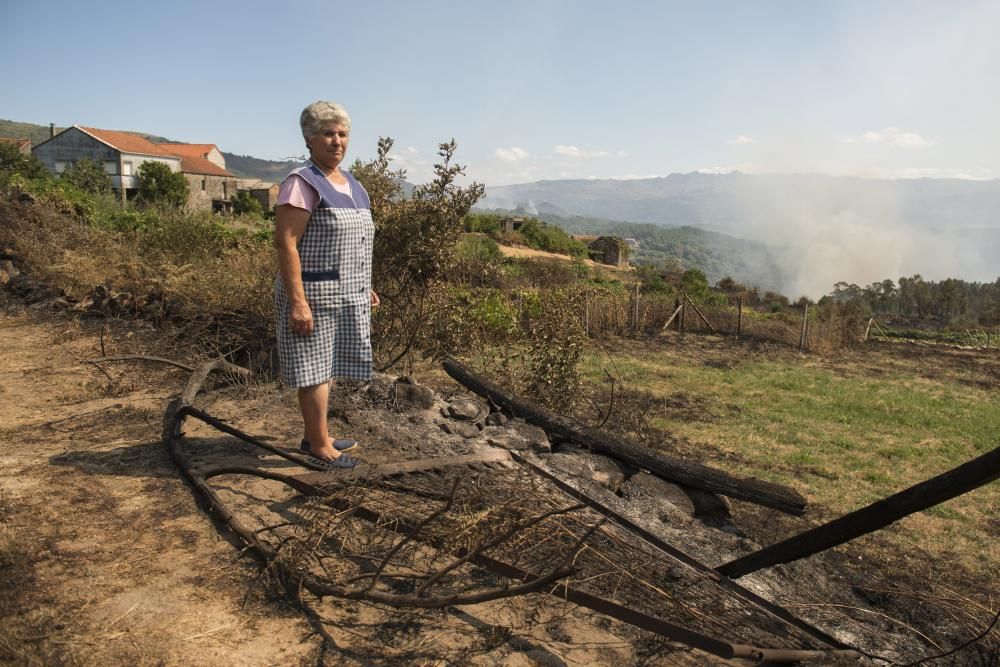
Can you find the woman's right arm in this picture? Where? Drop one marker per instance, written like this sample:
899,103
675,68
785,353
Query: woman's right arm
290,225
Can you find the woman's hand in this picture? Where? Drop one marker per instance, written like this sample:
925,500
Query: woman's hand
300,319
375,300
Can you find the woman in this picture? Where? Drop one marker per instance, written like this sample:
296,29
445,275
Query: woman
323,295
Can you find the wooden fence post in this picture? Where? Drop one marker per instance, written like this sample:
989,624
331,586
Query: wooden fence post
586,315
635,308
805,325
868,329
739,317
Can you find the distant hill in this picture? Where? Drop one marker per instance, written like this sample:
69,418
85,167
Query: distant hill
725,201
246,166
718,255
10,129
823,229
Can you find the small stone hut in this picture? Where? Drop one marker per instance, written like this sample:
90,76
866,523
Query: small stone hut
610,250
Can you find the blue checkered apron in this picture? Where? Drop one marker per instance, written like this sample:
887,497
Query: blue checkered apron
336,256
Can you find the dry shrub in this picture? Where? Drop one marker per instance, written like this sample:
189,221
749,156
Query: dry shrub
428,530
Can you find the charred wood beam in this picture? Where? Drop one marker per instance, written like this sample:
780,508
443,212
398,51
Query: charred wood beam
692,474
955,482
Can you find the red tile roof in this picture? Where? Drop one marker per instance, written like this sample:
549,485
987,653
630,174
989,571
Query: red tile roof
126,142
194,158
23,145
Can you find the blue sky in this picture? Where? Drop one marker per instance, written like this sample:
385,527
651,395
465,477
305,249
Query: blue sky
533,89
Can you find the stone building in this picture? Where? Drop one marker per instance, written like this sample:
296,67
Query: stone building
264,192
610,250
511,225
210,186
121,154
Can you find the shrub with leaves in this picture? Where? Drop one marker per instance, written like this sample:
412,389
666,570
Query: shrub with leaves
88,176
14,162
159,186
414,243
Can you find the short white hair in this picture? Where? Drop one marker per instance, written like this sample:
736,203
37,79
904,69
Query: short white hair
318,114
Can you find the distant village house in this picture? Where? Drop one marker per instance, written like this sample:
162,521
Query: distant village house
121,153
264,192
23,146
511,225
610,250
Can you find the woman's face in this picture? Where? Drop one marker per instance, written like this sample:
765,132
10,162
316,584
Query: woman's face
328,146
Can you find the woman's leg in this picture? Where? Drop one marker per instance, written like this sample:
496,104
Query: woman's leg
313,403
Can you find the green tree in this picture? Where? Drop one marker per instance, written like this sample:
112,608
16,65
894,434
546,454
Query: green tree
89,176
159,185
13,161
245,203
696,285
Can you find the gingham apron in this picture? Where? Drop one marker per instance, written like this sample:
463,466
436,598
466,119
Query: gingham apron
336,256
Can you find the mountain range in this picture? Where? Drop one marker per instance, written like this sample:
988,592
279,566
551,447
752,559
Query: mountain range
822,229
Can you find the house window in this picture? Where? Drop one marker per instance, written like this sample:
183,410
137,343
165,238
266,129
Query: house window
126,168
225,190
203,184
111,167
60,166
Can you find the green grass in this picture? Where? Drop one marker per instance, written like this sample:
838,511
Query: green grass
840,435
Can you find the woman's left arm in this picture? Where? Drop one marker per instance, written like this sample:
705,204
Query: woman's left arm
376,302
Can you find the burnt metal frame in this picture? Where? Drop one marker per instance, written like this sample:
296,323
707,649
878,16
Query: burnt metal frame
307,484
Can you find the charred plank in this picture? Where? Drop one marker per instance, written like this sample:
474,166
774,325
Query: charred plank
679,470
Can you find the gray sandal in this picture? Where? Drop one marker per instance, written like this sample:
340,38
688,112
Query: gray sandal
340,445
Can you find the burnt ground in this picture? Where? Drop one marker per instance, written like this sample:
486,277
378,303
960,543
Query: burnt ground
109,558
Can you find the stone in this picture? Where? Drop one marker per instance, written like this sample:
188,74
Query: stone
467,409
464,429
536,438
709,506
497,419
410,394
8,267
593,467
645,484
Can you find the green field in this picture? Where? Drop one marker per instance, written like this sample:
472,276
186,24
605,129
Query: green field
843,431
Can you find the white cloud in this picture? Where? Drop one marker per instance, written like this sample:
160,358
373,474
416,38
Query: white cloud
891,136
411,150
578,153
742,141
512,154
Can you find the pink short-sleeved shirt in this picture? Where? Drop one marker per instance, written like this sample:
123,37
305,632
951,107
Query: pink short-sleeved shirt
295,191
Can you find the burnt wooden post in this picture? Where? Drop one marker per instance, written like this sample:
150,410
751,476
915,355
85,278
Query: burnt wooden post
672,468
635,307
739,316
680,320
966,477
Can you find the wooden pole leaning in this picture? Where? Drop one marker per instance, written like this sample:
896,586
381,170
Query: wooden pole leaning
966,477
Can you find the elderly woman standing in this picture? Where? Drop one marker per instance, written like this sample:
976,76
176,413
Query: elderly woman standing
323,295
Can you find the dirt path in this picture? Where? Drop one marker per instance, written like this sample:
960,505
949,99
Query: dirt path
110,560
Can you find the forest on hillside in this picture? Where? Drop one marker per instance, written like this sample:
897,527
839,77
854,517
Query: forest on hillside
671,248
